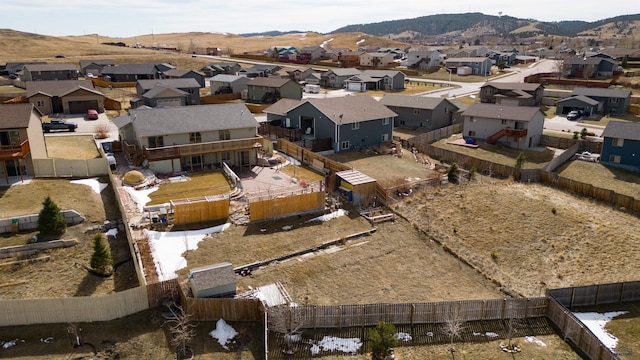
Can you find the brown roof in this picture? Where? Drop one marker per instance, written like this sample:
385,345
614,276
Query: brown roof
496,111
282,106
513,86
274,82
15,116
56,87
352,109
50,67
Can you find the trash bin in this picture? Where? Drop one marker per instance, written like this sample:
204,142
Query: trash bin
15,225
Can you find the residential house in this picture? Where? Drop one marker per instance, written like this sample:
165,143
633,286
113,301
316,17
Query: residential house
423,60
213,69
335,78
267,90
313,52
518,127
611,101
621,53
477,65
525,59
199,76
131,72
261,70
335,53
21,141
158,97
43,72
387,80
189,138
94,66
377,60
350,59
621,145
583,67
508,93
226,84
396,52
422,112
588,107
299,74
64,96
313,79
14,69
497,57
469,51
351,122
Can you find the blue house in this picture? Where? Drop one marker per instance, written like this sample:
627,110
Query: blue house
351,122
621,145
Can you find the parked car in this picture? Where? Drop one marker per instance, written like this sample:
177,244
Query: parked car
56,124
92,114
91,76
573,115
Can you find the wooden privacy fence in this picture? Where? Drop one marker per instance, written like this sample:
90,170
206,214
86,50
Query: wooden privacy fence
218,99
188,211
263,209
70,168
339,316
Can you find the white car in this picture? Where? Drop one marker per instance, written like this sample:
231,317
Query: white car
91,76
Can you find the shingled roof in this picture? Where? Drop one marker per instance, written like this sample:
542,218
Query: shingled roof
513,85
15,116
58,87
496,111
622,130
411,102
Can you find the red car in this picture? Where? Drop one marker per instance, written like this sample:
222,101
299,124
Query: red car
92,114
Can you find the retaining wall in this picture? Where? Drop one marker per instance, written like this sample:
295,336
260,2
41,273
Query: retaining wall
30,222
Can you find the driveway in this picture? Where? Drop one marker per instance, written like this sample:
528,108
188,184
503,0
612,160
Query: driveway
561,124
88,126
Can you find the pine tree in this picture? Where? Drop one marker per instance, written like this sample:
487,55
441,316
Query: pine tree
100,259
50,220
453,174
383,339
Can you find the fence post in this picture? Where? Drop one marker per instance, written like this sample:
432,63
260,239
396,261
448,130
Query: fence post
573,293
504,306
340,317
621,293
314,316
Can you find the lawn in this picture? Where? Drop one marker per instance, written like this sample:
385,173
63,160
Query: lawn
499,154
302,173
72,147
388,170
8,89
621,181
198,185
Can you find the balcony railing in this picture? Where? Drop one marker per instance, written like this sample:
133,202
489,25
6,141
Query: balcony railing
177,151
12,152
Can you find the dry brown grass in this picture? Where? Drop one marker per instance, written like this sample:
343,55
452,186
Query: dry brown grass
585,242
596,174
199,185
301,172
71,147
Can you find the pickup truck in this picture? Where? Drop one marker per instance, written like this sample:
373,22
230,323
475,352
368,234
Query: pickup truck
55,124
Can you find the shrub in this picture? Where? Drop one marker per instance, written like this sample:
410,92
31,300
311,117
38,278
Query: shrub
553,210
50,220
453,173
101,131
494,254
383,339
100,259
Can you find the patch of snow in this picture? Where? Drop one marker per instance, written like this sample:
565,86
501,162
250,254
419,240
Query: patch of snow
141,197
533,339
324,43
93,183
360,41
429,334
167,248
404,336
223,333
48,340
491,334
333,215
112,232
331,343
181,178
596,323
287,227
10,343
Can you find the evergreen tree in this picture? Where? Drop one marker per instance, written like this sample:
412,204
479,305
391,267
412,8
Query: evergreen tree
100,259
453,174
519,164
625,63
50,220
383,339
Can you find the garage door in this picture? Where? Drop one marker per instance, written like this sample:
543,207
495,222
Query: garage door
354,86
169,102
81,107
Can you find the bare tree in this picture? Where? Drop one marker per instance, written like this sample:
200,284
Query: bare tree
559,65
453,327
286,320
182,330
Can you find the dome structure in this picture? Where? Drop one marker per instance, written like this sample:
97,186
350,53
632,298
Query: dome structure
133,178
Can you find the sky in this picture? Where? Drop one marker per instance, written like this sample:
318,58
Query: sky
126,18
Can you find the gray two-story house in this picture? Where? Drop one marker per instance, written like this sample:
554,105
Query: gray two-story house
227,84
131,72
386,80
199,76
43,72
422,112
151,90
507,93
593,101
335,78
351,122
95,66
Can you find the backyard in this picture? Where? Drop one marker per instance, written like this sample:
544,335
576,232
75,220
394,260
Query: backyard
606,177
189,187
72,147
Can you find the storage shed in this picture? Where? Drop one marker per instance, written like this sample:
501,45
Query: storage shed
213,281
360,189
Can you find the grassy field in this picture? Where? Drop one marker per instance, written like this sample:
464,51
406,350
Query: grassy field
499,154
618,180
84,147
199,185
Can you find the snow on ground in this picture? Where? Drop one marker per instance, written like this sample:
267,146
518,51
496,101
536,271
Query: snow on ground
404,336
141,197
533,339
93,183
112,232
333,215
331,343
167,248
596,323
324,43
223,333
360,41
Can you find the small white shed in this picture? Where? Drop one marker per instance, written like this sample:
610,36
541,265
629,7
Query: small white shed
213,281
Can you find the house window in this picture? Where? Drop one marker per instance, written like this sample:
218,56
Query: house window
195,137
225,156
614,159
40,103
156,141
355,126
345,145
617,142
472,133
613,100
385,137
385,121
224,135
504,121
416,111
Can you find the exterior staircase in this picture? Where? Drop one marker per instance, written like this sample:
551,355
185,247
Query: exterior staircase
506,132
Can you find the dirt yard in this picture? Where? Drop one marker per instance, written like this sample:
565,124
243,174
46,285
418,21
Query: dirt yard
529,237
